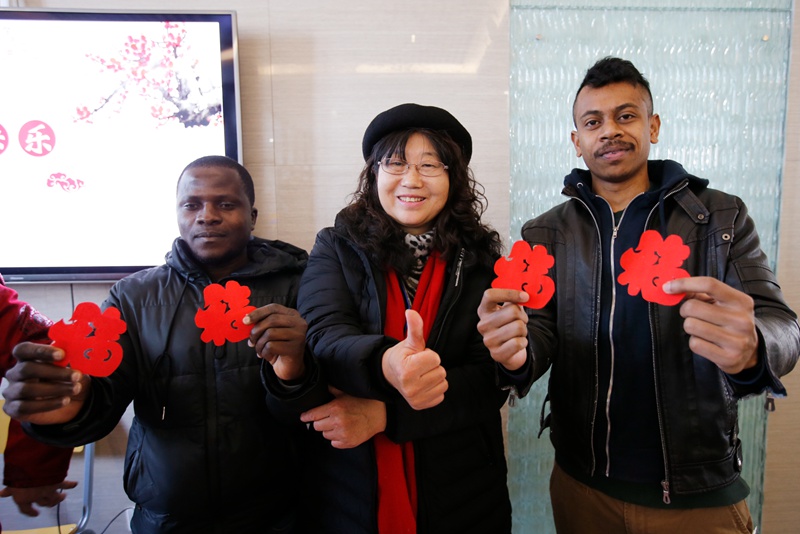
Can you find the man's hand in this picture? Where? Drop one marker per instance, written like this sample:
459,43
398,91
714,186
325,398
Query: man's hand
48,496
720,321
504,326
279,336
413,370
41,392
347,421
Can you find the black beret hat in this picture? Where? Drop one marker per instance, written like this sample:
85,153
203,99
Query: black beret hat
407,116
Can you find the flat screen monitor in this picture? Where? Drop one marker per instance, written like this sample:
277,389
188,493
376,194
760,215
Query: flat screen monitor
99,113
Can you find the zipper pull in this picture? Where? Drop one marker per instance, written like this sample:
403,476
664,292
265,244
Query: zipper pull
163,412
665,491
769,403
512,395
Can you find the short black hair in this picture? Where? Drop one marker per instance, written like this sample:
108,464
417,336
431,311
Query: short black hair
614,70
228,163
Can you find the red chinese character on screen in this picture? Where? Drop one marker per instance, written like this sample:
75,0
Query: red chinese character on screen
37,138
526,269
3,139
221,317
651,264
90,339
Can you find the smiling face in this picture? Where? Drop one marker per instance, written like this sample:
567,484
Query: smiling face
614,129
215,218
414,201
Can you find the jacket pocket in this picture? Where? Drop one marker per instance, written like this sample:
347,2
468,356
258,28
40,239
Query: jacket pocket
137,481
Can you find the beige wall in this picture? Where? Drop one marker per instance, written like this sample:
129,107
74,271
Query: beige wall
315,72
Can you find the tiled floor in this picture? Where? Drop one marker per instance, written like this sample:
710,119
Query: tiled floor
107,497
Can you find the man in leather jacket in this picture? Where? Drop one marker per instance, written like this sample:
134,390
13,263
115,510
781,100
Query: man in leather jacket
204,453
644,386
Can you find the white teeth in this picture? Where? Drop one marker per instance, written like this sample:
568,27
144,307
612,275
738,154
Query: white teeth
411,199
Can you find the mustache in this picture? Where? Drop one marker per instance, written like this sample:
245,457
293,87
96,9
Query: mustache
611,146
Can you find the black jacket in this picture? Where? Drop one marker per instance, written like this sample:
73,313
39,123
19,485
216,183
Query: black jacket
696,403
204,454
458,445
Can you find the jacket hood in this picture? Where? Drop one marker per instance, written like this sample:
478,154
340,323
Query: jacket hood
265,256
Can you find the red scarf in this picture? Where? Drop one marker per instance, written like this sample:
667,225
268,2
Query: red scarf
397,484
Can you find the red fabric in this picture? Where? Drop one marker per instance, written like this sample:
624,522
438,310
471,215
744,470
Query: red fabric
397,485
28,463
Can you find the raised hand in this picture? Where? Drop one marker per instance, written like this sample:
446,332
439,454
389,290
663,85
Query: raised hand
720,321
41,392
279,336
504,326
413,370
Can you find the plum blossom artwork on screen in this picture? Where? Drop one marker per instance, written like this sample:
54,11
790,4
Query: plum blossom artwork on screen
116,106
160,70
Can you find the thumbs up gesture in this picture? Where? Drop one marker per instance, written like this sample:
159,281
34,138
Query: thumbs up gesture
413,370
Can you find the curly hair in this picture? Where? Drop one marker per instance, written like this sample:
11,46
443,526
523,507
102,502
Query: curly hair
458,224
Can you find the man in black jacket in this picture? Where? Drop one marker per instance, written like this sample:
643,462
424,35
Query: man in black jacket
644,386
204,453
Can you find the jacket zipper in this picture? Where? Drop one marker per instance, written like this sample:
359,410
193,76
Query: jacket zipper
452,303
611,336
611,327
596,354
665,489
664,483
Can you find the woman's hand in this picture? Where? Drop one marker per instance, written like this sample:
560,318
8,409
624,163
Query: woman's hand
413,370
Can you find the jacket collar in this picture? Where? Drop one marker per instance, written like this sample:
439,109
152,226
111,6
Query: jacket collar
264,256
665,175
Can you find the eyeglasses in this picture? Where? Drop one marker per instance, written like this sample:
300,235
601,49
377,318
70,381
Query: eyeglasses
429,169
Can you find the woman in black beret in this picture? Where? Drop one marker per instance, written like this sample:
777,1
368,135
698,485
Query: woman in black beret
412,441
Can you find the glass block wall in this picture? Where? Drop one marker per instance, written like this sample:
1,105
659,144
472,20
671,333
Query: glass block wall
718,71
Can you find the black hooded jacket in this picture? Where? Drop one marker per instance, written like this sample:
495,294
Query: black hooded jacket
204,453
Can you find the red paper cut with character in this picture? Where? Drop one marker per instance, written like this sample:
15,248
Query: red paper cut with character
90,339
654,262
526,269
221,317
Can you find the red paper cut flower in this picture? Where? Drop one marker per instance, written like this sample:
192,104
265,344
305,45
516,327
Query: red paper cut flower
651,264
90,339
221,317
526,269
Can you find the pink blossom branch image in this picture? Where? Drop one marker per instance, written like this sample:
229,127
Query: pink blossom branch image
161,70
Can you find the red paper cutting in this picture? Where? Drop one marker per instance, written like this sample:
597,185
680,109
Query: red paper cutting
651,264
221,317
90,339
525,269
